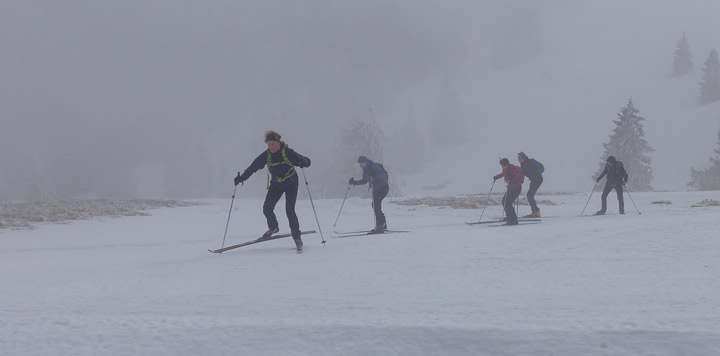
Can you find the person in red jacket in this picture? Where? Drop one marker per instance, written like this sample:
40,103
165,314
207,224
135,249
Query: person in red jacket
514,178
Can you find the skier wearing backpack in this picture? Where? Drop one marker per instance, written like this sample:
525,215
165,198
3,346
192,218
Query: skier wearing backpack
376,175
281,161
617,177
532,169
514,178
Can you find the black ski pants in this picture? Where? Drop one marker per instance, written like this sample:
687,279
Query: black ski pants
619,190
378,195
273,196
508,200
534,186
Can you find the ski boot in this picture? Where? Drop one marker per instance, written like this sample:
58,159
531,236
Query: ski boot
269,233
379,229
298,245
600,212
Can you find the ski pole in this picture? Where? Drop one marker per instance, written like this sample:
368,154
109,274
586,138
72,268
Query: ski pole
229,212
341,206
588,201
313,205
632,200
487,199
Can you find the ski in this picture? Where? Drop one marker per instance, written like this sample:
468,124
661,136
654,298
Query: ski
519,223
500,221
370,232
260,239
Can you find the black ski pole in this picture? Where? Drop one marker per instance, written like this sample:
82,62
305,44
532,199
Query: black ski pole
487,201
341,206
313,205
588,201
632,200
229,212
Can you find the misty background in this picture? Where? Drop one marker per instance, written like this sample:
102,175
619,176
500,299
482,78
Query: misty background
170,99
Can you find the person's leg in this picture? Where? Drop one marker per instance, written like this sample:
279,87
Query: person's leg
534,185
603,199
271,199
378,196
510,198
290,199
621,201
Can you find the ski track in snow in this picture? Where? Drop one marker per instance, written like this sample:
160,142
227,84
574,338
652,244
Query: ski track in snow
609,285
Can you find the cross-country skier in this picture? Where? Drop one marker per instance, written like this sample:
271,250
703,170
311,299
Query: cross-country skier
617,177
376,175
533,170
514,178
280,160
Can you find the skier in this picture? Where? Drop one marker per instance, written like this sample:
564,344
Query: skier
376,175
533,170
617,177
514,178
280,160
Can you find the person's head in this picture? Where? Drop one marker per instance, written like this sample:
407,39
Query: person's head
272,139
362,161
522,157
504,162
611,160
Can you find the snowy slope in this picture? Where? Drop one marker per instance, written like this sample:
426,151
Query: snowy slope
613,285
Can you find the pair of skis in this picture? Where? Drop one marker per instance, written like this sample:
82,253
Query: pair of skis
521,221
366,232
261,239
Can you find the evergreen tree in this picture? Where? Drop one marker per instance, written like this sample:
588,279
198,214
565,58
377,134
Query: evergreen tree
628,145
450,126
708,178
710,84
362,138
683,63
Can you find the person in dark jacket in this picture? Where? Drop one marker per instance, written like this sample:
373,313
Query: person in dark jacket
375,174
617,177
531,169
514,178
283,179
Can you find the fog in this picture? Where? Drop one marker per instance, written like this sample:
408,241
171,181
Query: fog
171,98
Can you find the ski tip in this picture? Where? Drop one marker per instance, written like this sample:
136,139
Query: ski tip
214,251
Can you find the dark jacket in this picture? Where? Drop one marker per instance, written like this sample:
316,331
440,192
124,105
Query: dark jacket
615,174
530,169
282,175
375,174
513,177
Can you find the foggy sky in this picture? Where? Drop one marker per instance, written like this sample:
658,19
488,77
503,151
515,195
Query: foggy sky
115,99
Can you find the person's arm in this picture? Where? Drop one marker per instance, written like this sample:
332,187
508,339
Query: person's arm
255,166
604,172
297,159
623,174
365,178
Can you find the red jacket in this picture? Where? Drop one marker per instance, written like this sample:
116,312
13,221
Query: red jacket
513,177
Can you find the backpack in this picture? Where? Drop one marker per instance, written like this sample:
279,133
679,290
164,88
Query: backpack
382,169
539,166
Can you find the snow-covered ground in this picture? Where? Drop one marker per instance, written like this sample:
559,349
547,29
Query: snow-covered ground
145,285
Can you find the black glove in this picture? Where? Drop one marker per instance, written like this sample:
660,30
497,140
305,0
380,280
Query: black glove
352,181
239,178
304,162
597,180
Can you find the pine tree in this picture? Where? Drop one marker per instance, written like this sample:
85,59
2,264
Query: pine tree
708,178
683,63
710,84
628,145
450,126
362,138
366,138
